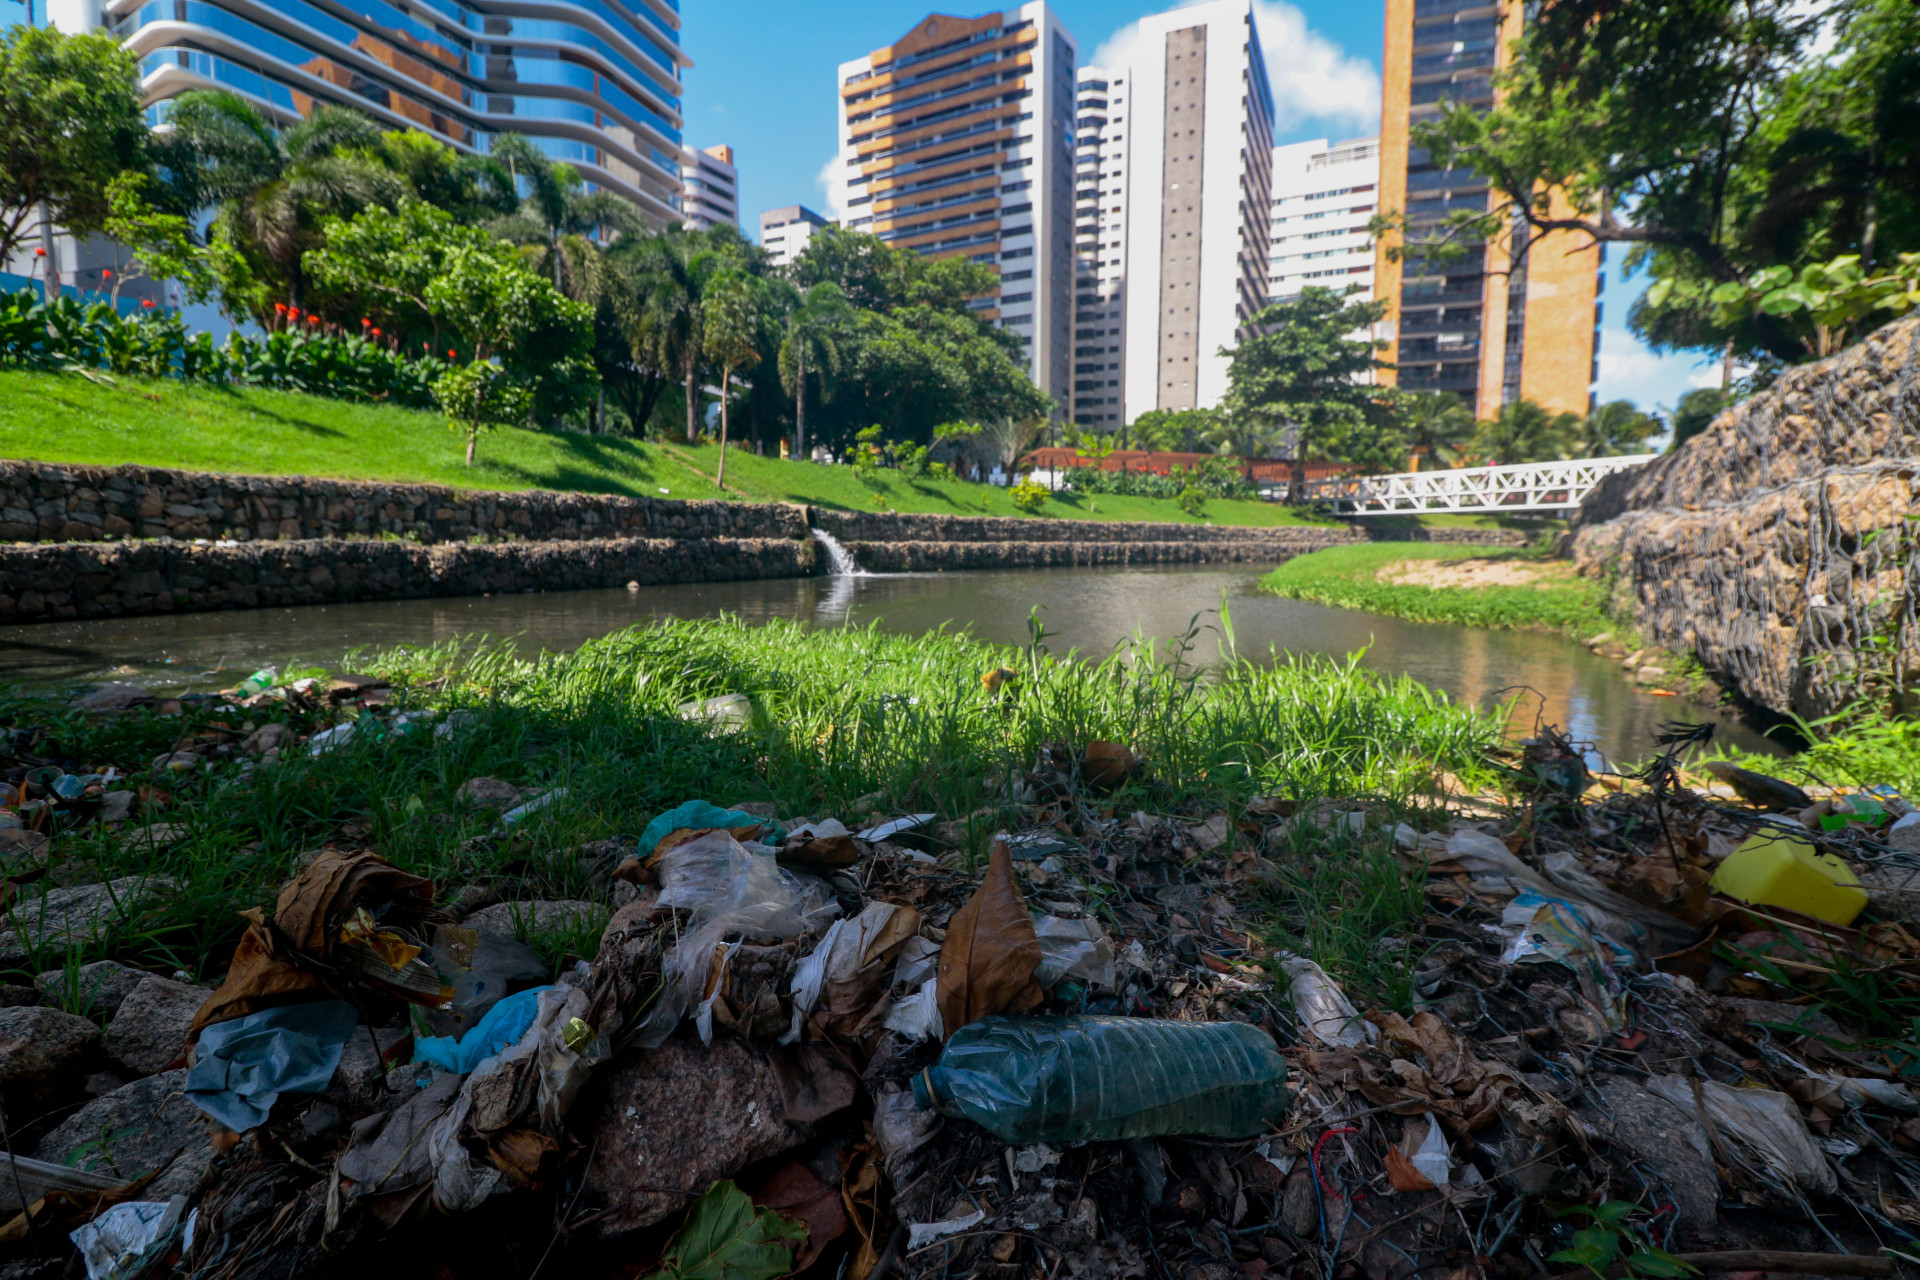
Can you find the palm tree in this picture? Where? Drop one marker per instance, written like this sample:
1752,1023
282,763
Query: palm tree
273,187
813,330
559,218
669,277
1438,425
1617,427
1526,432
735,308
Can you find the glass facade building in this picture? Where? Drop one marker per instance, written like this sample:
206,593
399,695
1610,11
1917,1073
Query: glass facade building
595,83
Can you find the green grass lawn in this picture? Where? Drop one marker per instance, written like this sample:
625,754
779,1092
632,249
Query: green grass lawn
52,417
1476,586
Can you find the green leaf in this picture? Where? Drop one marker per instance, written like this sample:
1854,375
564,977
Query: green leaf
726,1238
1615,1210
1658,1262
1728,294
1784,302
1657,292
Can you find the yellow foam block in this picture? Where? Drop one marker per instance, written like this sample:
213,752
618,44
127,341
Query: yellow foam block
1773,869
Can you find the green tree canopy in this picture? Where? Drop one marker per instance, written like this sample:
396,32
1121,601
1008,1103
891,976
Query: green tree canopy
69,123
1617,427
1301,374
1437,425
1526,432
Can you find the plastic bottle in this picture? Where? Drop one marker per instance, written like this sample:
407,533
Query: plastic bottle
257,683
1093,1078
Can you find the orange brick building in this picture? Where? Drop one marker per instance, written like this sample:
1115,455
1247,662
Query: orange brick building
1488,328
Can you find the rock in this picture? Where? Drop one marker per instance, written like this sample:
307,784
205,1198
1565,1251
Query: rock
15,996
150,1029
268,737
155,837
116,807
115,697
40,1050
491,793
132,1131
1906,839
1649,675
76,915
17,845
673,1121
94,990
1670,1143
518,919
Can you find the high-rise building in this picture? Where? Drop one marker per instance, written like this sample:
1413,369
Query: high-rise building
1495,326
1100,249
957,140
784,233
1200,136
1323,198
595,83
710,187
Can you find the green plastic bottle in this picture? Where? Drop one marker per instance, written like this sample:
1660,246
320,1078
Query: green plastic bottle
1087,1079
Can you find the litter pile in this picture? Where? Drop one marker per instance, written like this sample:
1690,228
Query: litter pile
1643,1028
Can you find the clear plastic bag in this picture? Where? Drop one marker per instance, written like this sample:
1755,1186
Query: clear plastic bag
1073,949
730,890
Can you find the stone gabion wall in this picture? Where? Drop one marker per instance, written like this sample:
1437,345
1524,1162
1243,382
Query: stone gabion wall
1780,545
44,502
923,557
101,580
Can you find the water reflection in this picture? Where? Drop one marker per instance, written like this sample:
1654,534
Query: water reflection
1090,610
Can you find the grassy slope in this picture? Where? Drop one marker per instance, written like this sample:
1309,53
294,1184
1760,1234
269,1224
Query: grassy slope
1350,577
64,418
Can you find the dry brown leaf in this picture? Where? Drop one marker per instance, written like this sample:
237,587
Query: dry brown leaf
1402,1174
1107,764
991,951
794,1192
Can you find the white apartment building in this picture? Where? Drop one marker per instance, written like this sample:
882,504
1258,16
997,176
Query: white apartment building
1199,130
710,187
1100,249
1323,198
958,140
784,232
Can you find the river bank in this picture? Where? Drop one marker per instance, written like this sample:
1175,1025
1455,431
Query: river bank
1262,854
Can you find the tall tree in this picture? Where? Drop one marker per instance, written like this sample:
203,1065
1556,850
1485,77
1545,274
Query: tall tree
1616,427
1526,432
69,122
734,307
1300,371
812,340
1696,410
1709,136
1437,425
273,188
560,221
471,188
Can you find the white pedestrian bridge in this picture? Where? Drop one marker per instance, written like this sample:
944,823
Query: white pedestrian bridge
1529,486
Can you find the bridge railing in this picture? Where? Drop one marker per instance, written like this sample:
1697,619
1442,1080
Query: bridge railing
1527,486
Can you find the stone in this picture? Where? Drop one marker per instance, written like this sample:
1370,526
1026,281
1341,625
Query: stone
517,919
41,1050
673,1121
115,697
1671,1144
268,737
156,837
76,915
149,1030
491,793
18,845
1649,675
117,806
134,1130
92,990
15,995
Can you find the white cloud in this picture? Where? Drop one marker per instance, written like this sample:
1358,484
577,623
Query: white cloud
1313,79
832,189
1629,371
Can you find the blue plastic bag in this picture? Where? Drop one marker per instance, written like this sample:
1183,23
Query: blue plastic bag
243,1065
504,1024
694,814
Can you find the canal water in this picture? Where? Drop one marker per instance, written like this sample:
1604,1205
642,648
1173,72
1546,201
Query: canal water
1091,610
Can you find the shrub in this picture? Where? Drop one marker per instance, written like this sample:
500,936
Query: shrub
1192,500
1029,496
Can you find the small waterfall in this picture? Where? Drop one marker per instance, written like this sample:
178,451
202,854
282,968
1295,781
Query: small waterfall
840,561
